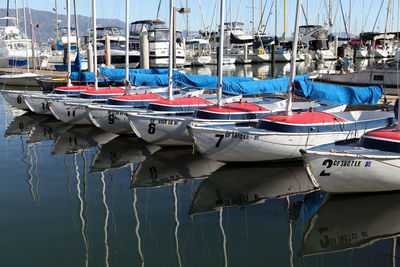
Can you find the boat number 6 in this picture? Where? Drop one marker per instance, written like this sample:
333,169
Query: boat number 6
328,163
152,128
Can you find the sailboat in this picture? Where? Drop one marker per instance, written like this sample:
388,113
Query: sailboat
370,164
281,136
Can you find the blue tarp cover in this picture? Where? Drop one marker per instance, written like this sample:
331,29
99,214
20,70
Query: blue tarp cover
337,94
159,77
260,87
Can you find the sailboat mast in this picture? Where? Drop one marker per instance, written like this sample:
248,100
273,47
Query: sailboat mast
69,42
16,13
293,62
26,37
127,83
284,19
55,7
221,51
94,43
171,37
76,26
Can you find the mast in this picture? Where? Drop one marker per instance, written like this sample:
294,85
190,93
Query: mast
293,62
8,11
16,13
127,82
171,36
221,51
56,10
26,37
187,22
76,26
94,43
69,42
284,19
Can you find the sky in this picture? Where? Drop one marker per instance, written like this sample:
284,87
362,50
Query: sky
363,13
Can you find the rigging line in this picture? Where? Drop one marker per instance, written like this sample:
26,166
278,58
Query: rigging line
269,16
202,16
262,15
376,20
304,14
369,11
344,20
158,9
237,14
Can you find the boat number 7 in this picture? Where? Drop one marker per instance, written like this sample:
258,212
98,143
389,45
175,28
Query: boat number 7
220,137
328,163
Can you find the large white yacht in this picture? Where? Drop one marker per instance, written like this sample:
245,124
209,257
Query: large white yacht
158,35
15,47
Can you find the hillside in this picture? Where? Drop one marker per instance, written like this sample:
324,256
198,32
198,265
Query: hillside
47,21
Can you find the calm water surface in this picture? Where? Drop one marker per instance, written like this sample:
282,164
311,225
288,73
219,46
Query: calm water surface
78,196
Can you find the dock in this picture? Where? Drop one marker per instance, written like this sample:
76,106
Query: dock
51,73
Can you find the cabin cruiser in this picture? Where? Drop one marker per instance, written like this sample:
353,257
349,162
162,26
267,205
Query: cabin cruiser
117,47
15,47
158,36
316,39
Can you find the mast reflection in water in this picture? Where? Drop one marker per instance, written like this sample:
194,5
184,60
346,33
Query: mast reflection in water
79,196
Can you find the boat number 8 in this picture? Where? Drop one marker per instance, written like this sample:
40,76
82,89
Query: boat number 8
152,128
328,163
111,118
19,99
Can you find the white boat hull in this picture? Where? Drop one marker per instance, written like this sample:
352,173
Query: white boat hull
17,98
244,144
348,172
20,79
110,119
161,130
71,112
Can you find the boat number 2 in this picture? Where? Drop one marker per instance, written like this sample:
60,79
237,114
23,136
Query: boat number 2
220,137
328,163
152,128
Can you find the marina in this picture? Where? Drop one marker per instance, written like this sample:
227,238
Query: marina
140,141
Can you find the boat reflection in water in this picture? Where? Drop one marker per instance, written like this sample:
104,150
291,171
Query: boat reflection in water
345,222
238,186
24,124
120,152
80,137
48,130
173,165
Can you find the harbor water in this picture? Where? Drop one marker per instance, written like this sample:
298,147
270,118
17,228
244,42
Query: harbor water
79,196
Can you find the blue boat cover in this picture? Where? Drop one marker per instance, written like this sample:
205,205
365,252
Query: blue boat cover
77,66
17,62
60,46
337,94
159,77
204,81
260,87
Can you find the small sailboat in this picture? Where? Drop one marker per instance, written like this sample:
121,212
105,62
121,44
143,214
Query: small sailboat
280,136
370,164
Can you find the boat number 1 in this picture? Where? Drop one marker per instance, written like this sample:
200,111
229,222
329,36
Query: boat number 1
328,163
220,137
152,128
